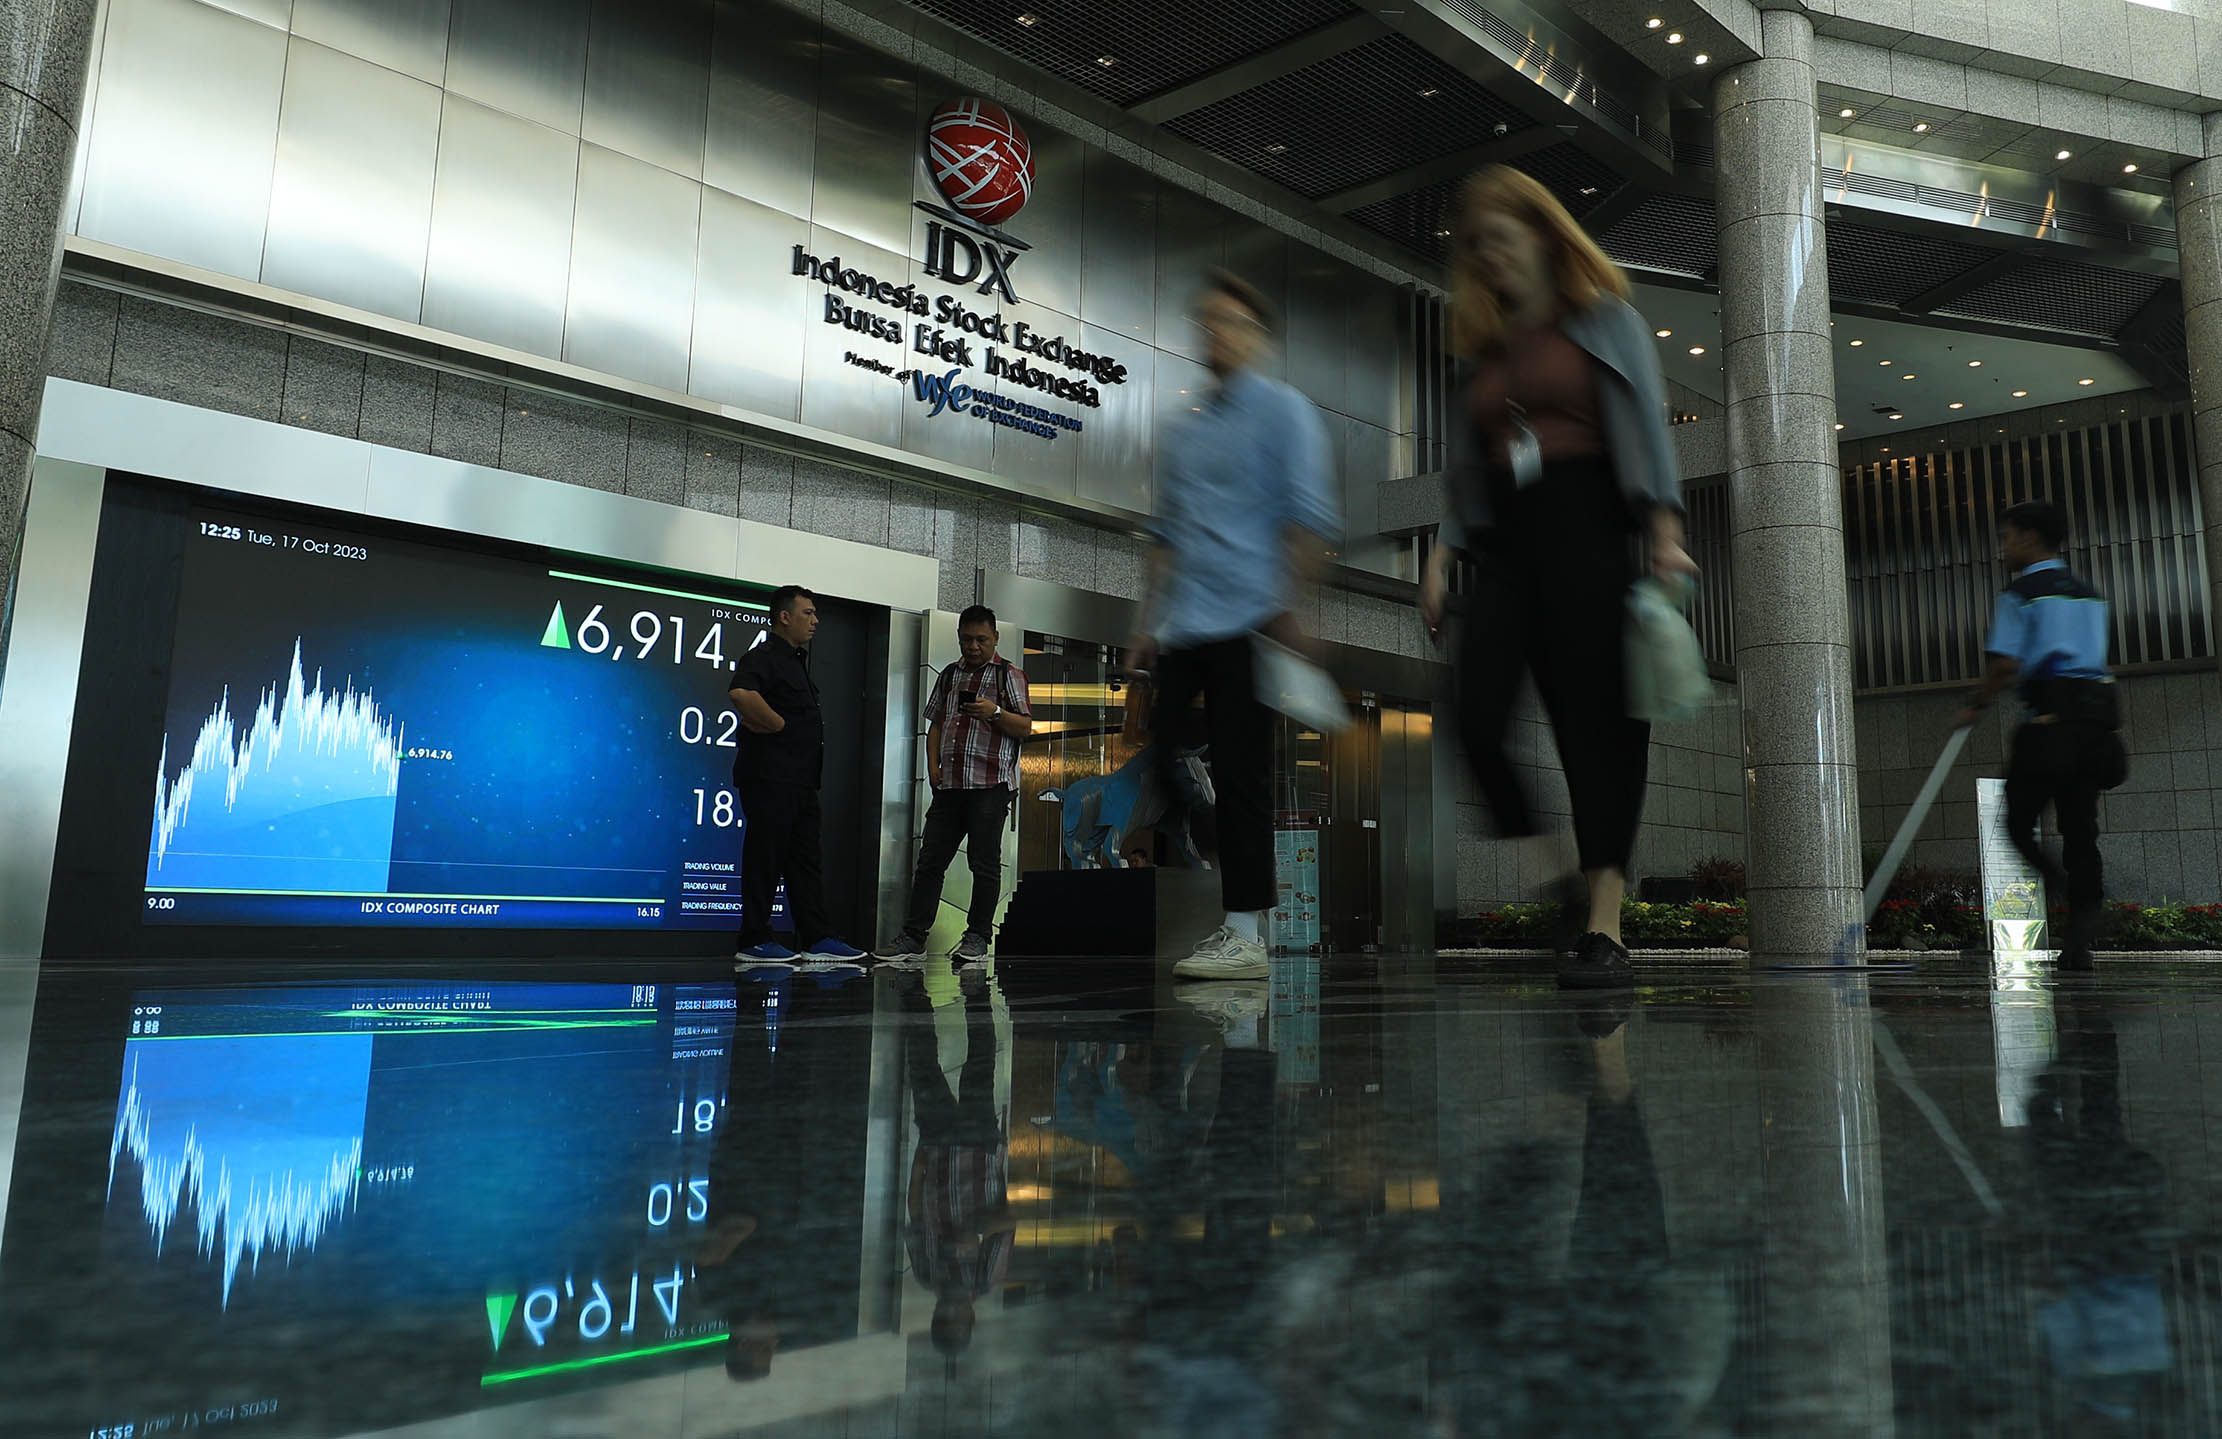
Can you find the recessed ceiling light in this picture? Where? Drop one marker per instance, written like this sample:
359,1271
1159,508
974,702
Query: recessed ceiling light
1840,424
1886,448
1106,61
1897,415
1700,58
2063,155
1845,113
1856,343
1675,38
1957,405
1664,334
1922,128
1442,234
1907,376
1589,189
2086,382
1276,149
1653,23
2130,169
1029,19
1700,349
1882,362
2021,394
1430,92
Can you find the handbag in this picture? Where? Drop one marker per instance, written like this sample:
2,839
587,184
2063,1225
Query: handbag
1288,682
1667,677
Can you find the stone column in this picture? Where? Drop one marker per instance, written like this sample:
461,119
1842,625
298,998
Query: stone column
2199,242
1793,623
45,47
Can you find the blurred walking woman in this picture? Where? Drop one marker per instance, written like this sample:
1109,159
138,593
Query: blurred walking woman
1561,485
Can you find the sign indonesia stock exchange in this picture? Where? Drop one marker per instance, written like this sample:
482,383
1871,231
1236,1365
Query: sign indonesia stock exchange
982,163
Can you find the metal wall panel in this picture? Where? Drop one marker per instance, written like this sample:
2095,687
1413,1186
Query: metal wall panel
351,197
648,81
405,35
631,308
957,438
1372,358
271,13
1118,272
524,57
61,526
763,122
185,135
869,144
1180,394
837,395
1191,240
1921,557
1317,315
1052,464
74,203
749,312
499,263
1116,454
1260,256
1054,222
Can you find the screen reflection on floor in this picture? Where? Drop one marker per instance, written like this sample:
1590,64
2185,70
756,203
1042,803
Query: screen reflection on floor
343,1207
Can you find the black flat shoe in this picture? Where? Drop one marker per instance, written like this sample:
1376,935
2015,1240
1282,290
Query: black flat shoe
1598,962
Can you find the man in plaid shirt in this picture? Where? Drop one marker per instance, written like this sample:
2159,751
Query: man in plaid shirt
975,718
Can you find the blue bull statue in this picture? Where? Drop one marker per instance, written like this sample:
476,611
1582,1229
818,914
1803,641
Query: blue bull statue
1102,810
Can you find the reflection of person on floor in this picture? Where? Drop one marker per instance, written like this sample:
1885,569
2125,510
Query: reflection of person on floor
2107,1333
1565,1277
960,1229
785,1134
1204,1139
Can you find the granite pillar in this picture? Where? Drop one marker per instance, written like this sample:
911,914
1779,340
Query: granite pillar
2198,188
45,48
1793,623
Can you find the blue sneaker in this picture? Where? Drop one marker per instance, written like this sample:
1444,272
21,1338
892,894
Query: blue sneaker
771,950
832,948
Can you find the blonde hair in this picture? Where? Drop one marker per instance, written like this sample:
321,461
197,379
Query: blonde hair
1582,271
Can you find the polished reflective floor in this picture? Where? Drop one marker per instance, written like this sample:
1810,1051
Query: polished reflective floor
1382,1195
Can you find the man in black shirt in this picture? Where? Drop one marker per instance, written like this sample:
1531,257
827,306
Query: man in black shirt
776,771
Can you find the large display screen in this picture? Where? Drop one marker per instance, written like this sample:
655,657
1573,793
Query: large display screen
329,1208
365,731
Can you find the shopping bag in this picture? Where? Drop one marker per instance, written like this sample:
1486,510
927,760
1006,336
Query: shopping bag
1667,678
1288,682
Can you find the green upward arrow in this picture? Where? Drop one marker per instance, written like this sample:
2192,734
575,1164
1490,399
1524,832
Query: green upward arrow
557,635
498,1309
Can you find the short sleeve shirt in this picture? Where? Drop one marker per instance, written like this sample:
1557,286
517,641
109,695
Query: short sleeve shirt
780,673
974,753
2053,624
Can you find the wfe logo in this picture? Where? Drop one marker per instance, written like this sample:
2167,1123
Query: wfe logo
940,391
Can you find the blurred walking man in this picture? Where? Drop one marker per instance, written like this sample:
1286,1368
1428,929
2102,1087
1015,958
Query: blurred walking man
2048,635
975,719
1244,505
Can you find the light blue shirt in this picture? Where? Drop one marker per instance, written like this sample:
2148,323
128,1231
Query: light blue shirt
2051,622
1233,476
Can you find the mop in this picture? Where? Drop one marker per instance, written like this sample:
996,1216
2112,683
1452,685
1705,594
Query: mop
1848,944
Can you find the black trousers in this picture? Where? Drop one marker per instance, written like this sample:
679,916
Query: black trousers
974,819
1549,597
781,843
2057,764
1240,732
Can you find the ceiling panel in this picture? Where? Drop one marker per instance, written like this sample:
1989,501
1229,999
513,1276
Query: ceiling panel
1351,118
2075,299
1885,267
1153,45
1667,232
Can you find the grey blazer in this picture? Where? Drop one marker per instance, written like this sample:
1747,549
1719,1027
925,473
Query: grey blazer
1631,406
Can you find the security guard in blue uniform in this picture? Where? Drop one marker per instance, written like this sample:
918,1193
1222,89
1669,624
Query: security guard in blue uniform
2048,637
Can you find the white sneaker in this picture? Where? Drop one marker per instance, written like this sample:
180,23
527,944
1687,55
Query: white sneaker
1225,955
